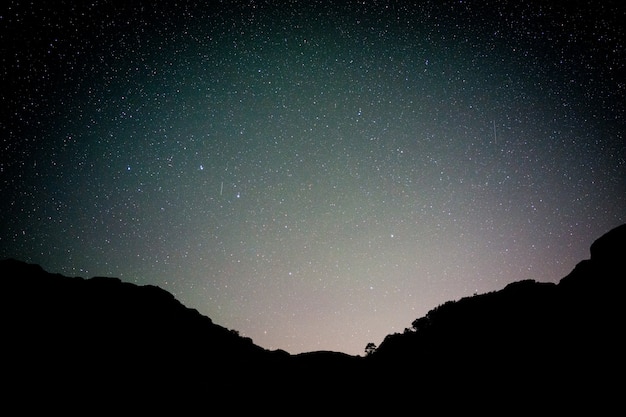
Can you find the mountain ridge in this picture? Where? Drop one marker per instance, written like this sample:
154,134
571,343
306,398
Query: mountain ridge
560,340
109,339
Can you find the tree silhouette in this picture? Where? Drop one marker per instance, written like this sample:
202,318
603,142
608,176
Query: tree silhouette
370,348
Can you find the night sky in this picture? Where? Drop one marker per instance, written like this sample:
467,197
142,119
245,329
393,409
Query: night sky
315,176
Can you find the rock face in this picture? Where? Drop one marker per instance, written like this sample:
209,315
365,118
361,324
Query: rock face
107,342
609,251
607,266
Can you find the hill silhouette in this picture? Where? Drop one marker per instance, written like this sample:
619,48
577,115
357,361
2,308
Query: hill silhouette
103,341
104,337
555,342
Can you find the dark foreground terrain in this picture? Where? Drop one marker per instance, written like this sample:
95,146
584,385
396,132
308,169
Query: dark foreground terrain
87,345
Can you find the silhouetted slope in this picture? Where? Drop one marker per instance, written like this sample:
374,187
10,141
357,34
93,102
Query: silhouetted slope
561,341
108,342
106,338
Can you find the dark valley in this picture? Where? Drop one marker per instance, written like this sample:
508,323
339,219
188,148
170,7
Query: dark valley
107,343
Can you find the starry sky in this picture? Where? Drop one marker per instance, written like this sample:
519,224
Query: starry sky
314,175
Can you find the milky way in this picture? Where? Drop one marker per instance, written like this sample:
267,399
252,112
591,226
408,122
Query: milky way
314,176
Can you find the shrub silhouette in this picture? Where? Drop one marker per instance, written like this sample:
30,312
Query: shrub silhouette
370,348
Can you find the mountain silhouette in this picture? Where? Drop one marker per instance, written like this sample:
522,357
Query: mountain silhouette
102,338
100,341
558,343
